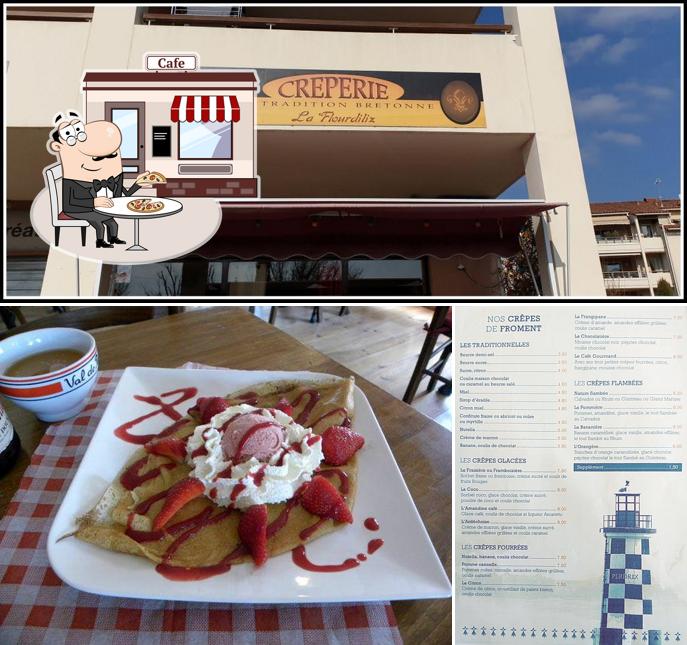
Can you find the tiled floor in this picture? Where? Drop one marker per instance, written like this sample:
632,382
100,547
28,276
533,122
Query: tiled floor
380,343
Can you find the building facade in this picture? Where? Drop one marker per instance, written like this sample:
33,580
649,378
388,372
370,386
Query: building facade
640,246
400,142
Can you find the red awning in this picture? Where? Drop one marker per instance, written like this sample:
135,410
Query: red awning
280,229
205,108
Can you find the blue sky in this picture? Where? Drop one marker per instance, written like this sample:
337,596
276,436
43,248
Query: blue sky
623,68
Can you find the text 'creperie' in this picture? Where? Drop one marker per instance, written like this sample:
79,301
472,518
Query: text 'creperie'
332,86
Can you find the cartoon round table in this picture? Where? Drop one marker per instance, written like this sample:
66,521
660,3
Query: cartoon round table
120,210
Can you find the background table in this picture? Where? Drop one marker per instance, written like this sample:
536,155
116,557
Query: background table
120,210
231,337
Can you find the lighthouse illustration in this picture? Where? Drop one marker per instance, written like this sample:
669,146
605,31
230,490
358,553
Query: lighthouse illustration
626,605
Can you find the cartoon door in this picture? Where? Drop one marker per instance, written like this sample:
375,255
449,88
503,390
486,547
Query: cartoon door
130,119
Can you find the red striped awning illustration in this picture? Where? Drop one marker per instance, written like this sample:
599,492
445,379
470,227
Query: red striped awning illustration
205,108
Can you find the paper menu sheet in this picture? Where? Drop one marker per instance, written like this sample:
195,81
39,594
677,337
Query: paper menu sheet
571,493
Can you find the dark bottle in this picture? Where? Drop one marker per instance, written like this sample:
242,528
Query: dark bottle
10,445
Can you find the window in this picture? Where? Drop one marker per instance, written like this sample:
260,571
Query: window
647,230
205,140
160,279
656,263
127,121
613,267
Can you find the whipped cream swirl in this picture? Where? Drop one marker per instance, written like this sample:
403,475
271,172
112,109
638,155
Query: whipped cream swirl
252,481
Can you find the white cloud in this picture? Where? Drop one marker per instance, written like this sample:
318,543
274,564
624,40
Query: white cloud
659,92
616,52
578,49
620,138
598,105
619,17
590,153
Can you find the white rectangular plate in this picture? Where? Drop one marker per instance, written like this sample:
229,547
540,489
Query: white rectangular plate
405,567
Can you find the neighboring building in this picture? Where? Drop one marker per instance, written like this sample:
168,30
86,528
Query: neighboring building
407,103
639,244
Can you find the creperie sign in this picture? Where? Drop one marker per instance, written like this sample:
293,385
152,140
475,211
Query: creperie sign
332,86
170,62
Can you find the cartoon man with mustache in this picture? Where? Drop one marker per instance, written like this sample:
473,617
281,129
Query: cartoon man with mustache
91,172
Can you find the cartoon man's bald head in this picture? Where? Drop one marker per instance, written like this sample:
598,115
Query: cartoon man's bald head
87,151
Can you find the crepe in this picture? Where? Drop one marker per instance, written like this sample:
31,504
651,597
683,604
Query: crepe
115,520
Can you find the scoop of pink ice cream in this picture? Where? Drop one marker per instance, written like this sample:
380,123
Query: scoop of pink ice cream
251,435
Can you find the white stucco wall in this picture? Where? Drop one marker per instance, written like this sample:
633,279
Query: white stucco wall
523,79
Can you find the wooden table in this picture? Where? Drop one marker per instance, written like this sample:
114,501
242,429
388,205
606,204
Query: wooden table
231,337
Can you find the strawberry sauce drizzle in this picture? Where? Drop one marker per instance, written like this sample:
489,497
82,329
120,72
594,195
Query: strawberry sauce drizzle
300,559
310,531
226,473
259,475
201,451
174,572
249,398
143,507
131,478
335,472
313,398
371,524
185,574
238,489
176,545
249,433
279,522
342,411
174,529
167,409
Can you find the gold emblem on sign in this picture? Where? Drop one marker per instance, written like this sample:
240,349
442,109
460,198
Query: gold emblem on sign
460,102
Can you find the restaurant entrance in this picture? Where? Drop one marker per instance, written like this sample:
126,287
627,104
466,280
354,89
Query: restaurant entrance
195,276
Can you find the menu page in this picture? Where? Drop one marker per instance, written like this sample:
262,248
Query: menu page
571,493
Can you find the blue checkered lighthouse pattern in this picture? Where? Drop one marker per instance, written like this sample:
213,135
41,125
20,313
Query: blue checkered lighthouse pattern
627,583
627,603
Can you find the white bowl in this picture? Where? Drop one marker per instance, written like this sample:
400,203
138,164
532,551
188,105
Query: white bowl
57,395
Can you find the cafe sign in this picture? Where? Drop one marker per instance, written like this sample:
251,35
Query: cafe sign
370,99
171,62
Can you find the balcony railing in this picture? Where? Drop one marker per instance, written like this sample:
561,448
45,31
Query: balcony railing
640,522
193,10
623,275
223,17
620,239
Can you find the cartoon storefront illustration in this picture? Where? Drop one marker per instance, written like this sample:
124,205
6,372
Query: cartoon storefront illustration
178,138
195,127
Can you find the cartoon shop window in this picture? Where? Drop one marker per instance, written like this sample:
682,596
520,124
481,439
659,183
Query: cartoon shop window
129,118
205,126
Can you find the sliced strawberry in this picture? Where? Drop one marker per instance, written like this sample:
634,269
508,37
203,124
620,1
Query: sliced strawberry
170,447
177,497
321,498
284,406
208,406
253,532
339,444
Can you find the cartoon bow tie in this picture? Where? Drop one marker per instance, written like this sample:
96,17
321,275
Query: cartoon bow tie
109,183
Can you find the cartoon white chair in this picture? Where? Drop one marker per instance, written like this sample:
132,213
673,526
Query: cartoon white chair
53,180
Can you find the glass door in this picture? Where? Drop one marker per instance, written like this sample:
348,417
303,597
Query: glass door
130,119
